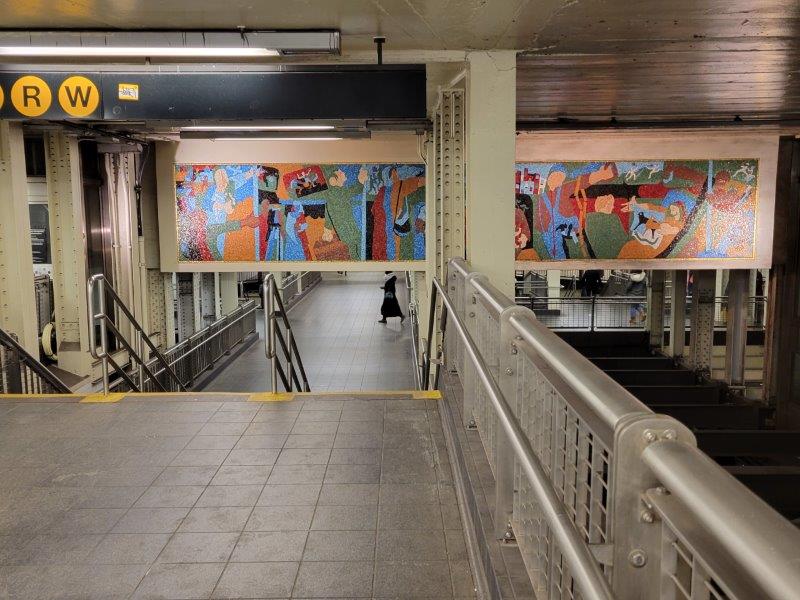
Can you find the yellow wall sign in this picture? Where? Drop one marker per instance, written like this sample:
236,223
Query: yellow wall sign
31,96
2,97
78,96
128,92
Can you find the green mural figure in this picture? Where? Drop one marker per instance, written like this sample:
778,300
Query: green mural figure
339,218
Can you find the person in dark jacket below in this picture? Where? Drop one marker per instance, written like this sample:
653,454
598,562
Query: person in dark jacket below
591,282
637,288
390,306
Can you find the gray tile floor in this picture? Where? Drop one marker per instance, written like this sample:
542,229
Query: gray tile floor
342,345
210,496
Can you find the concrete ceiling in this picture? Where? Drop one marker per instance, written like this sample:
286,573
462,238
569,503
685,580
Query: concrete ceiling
581,59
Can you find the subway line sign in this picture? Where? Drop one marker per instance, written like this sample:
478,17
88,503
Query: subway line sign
393,92
50,96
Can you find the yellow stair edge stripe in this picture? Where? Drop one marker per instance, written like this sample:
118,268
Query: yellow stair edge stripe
270,397
35,396
188,393
100,398
288,396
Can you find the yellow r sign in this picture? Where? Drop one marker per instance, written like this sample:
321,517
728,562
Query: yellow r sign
31,96
78,96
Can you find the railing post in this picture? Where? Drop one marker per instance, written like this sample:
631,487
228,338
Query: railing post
140,351
269,324
592,313
289,363
469,382
103,334
509,382
634,532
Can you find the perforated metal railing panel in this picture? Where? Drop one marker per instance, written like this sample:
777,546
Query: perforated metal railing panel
487,336
576,461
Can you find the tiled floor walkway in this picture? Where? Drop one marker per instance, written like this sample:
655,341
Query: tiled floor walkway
211,496
342,345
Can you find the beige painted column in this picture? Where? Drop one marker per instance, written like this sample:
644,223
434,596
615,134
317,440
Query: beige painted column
68,240
17,295
229,292
491,152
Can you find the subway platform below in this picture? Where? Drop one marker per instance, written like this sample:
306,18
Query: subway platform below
342,345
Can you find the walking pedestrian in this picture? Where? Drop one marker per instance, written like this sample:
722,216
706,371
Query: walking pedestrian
390,306
637,288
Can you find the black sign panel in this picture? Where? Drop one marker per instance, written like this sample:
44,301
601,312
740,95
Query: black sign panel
353,93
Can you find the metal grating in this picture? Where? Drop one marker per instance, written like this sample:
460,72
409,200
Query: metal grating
577,463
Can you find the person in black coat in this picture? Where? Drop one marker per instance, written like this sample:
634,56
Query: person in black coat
390,306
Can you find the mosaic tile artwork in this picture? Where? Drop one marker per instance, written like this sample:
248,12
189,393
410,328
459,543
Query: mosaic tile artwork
300,212
658,209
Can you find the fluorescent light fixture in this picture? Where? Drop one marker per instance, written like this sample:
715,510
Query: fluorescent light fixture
166,44
134,52
280,139
296,135
259,128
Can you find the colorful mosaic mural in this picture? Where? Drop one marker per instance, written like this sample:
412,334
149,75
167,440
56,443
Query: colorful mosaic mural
300,212
673,209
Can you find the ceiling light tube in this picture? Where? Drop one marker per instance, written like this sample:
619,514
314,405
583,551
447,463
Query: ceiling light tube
279,139
133,52
259,128
243,134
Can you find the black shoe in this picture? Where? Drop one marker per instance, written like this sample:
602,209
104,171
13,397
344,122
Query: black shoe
382,321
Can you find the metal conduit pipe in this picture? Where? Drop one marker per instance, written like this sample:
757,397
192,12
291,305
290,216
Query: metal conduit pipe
757,537
585,569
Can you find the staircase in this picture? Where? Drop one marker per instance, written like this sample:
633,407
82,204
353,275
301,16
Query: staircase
733,430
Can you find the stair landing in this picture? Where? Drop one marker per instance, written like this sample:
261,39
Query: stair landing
228,495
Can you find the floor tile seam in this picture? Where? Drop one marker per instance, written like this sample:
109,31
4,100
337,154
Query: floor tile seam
175,531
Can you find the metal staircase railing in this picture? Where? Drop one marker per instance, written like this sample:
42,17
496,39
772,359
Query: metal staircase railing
21,373
293,376
99,318
605,498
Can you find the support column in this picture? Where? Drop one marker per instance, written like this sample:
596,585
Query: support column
677,319
229,292
65,195
655,308
701,327
17,294
197,301
553,288
491,151
736,338
170,289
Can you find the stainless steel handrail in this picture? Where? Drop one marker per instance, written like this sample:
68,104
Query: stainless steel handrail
294,362
753,534
639,461
102,318
26,359
586,571
413,318
179,353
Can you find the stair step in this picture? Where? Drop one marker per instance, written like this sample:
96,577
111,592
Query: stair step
653,377
676,394
647,363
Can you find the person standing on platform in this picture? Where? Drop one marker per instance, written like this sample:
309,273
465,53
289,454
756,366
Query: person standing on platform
390,306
